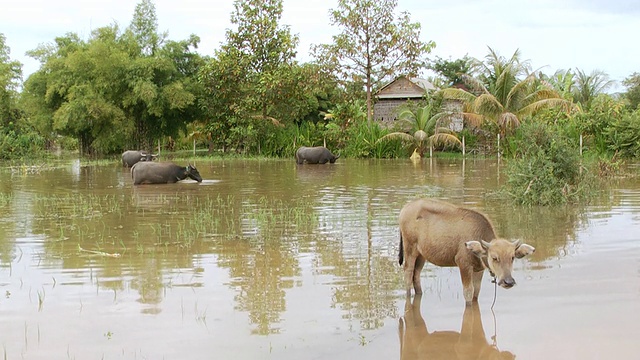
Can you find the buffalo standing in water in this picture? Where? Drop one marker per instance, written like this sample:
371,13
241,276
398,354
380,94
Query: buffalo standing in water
315,155
132,157
162,173
447,235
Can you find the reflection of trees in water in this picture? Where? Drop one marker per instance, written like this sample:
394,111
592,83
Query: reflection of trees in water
366,278
149,284
364,285
261,271
552,230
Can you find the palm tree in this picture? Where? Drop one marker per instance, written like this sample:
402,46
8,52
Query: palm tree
425,130
497,94
563,81
587,87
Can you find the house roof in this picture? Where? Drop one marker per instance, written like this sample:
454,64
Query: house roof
404,87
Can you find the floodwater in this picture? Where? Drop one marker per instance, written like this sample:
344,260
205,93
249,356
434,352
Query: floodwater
270,260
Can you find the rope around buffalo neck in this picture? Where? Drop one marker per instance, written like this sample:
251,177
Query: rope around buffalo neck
495,292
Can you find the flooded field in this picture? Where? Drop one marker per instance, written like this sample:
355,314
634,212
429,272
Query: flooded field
269,260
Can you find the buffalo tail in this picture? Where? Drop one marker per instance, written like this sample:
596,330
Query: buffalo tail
400,252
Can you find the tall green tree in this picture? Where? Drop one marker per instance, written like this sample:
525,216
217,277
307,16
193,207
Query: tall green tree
499,95
632,83
373,46
117,89
266,47
253,82
10,78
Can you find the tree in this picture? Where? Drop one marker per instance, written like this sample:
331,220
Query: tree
453,71
587,87
253,82
115,90
632,83
372,47
425,128
563,81
10,77
266,48
499,96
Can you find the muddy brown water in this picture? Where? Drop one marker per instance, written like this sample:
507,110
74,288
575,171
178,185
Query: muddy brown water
269,260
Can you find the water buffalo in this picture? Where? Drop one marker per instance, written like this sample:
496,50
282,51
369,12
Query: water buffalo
131,157
315,155
162,173
447,235
416,342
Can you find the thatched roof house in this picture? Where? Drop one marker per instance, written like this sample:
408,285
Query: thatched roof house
404,89
395,93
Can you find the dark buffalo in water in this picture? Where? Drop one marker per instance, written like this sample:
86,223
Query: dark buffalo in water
162,173
315,155
131,157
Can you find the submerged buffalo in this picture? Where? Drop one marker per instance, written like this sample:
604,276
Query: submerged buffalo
315,155
447,235
162,173
131,157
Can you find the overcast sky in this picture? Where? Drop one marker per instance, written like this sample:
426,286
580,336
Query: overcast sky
552,34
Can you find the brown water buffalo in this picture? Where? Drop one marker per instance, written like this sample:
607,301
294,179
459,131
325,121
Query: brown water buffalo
416,342
315,155
162,173
447,235
131,157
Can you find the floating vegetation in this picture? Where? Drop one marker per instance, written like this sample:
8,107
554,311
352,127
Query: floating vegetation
5,199
98,253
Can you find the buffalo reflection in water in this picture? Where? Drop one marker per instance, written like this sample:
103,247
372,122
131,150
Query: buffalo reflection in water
416,342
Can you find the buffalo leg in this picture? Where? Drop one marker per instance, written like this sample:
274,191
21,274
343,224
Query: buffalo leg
477,282
467,285
416,274
412,266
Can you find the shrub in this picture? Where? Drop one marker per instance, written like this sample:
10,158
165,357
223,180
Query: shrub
546,168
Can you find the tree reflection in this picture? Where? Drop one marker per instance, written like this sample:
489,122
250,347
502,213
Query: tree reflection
261,271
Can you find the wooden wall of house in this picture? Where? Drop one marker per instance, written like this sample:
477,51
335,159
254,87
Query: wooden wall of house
384,111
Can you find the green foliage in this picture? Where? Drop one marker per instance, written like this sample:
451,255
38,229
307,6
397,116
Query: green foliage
115,90
372,47
623,135
265,51
452,71
10,76
632,83
500,97
20,143
593,123
588,87
546,169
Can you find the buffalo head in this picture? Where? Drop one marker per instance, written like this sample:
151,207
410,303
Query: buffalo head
498,256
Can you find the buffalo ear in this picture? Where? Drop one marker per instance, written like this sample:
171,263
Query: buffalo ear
477,248
524,250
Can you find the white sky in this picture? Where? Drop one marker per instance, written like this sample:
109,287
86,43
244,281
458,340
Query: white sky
552,34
